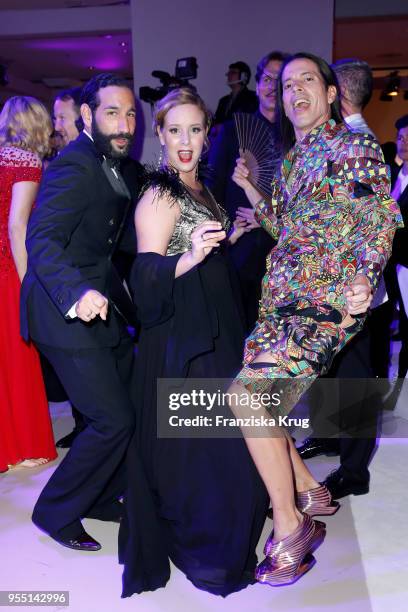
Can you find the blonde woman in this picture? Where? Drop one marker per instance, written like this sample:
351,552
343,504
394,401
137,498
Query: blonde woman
196,501
25,435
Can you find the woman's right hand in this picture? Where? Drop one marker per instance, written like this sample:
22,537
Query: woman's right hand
204,238
240,176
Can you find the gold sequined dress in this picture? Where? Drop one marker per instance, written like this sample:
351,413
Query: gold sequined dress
197,501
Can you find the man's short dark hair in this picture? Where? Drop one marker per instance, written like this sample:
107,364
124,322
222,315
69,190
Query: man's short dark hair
402,122
243,68
356,77
71,94
90,90
276,56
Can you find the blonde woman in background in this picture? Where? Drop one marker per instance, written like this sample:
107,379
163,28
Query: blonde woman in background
25,433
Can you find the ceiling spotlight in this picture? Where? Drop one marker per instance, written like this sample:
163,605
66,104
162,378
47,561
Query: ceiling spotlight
123,43
393,84
385,97
91,67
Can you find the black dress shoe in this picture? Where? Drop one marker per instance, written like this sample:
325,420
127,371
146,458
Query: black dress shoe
66,441
341,486
82,542
312,447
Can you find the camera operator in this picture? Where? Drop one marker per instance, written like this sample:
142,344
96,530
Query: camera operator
241,99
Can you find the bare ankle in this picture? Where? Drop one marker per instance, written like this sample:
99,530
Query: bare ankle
306,485
285,526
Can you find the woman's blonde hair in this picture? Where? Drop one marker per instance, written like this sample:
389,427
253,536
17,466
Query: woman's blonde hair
176,97
25,123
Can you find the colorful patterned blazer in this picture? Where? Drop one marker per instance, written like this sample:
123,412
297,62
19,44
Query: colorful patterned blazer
333,217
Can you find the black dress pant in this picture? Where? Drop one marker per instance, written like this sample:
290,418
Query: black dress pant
394,292
348,407
91,477
56,393
248,256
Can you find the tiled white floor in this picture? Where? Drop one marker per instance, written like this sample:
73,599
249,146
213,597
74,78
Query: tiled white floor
362,566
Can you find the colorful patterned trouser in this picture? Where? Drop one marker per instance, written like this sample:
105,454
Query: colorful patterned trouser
302,348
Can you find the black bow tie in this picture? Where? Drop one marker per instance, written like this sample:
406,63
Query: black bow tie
113,163
109,161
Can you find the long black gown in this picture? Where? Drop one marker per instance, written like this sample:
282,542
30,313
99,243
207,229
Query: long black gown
199,502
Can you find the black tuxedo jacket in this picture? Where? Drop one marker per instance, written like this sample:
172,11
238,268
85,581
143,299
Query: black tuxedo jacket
400,244
71,237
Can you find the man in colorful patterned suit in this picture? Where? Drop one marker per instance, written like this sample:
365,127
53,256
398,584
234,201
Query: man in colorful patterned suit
352,405
334,220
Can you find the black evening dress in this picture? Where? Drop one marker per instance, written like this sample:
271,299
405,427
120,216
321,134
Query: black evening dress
197,501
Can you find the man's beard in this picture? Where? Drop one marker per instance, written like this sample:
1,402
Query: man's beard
103,142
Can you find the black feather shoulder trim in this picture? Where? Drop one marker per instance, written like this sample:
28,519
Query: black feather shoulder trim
166,182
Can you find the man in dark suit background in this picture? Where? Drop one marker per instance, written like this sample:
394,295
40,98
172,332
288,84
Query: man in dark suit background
249,253
75,309
241,99
398,266
67,115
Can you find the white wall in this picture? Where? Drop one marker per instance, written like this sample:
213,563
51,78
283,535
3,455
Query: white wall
219,32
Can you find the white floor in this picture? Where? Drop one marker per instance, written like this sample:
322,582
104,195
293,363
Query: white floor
361,567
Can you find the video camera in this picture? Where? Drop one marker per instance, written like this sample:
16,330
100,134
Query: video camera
186,69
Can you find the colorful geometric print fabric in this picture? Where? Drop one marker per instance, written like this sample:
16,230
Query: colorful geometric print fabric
334,218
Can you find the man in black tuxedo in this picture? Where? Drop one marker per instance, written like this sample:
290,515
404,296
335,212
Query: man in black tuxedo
68,124
75,309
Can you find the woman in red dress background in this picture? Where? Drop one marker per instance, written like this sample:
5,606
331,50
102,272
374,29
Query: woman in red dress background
25,427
